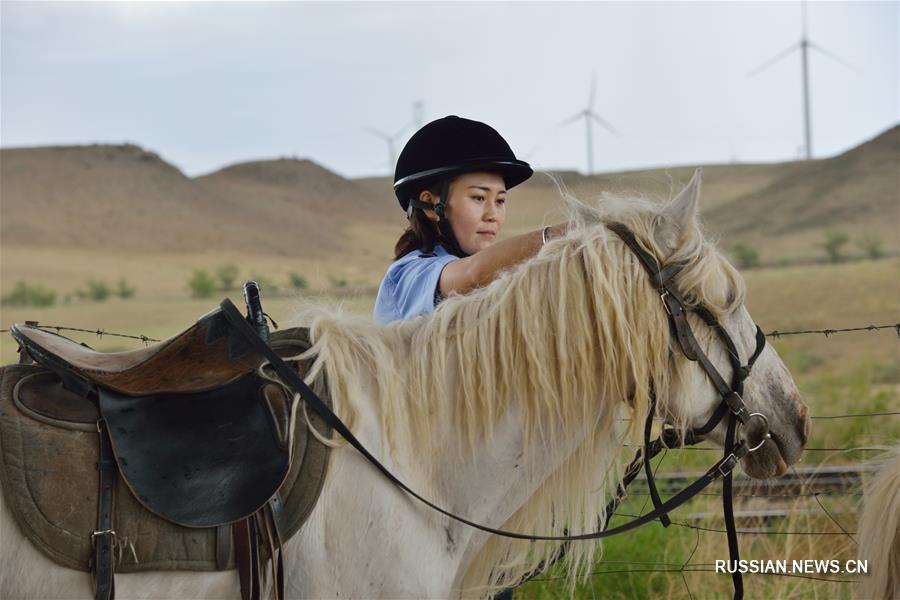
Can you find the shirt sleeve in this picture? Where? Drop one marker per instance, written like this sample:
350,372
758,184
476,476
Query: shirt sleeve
416,285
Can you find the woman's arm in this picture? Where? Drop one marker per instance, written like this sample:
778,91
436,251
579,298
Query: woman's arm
474,271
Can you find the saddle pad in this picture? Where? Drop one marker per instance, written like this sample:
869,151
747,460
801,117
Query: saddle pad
49,483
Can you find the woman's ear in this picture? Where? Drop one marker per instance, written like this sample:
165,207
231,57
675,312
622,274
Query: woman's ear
427,197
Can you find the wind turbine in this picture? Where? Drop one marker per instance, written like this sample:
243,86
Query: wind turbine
589,117
418,113
390,139
804,45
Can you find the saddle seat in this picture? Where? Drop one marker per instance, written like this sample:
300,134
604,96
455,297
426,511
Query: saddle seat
200,358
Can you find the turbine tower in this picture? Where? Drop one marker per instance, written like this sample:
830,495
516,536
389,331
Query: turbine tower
804,45
418,113
589,117
390,139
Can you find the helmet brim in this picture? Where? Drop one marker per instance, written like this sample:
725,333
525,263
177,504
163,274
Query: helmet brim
513,172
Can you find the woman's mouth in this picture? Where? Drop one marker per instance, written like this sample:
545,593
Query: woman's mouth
488,233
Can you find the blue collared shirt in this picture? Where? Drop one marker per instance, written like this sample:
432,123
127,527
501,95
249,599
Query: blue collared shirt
410,286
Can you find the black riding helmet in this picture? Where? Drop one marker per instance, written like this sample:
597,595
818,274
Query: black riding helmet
451,146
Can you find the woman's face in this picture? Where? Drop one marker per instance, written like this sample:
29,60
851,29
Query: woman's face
476,210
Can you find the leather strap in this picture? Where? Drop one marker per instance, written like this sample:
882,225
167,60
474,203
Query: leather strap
223,546
728,511
246,553
648,468
103,538
276,514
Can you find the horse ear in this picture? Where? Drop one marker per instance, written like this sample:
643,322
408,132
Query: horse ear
679,214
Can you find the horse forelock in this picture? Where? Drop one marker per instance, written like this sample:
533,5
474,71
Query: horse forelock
575,336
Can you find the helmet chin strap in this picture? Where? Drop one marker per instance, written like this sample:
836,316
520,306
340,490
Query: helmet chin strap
448,239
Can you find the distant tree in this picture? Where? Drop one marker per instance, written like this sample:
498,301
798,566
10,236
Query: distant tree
123,290
98,291
871,245
202,284
227,274
337,282
834,243
298,282
24,294
746,256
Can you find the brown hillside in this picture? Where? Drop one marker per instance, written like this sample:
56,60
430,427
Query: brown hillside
127,199
857,191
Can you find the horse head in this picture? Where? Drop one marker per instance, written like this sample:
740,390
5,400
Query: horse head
708,281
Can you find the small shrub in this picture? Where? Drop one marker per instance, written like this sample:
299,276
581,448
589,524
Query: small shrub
337,282
97,291
29,295
746,256
123,290
227,274
870,244
298,282
833,244
202,284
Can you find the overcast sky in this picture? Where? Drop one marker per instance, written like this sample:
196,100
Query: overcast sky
208,84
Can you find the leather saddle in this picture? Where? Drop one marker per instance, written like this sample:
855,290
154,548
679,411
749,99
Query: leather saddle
197,430
193,433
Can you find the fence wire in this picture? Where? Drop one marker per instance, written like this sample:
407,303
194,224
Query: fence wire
100,333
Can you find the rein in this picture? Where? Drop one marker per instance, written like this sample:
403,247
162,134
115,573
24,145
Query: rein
732,404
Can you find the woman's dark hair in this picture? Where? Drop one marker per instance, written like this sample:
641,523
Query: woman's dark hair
422,233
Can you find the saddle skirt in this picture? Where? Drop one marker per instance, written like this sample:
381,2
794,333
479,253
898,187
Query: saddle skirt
49,477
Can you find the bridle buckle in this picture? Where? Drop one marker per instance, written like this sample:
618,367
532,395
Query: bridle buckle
662,297
727,464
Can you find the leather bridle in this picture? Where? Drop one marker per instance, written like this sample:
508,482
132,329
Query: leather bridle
732,404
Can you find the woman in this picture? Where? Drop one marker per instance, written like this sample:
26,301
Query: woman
452,179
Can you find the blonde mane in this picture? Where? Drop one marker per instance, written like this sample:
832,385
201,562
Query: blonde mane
575,336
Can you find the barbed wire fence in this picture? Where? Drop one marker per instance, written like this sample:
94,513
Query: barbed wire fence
651,567
772,334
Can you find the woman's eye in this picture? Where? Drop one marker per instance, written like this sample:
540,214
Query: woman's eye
501,200
478,198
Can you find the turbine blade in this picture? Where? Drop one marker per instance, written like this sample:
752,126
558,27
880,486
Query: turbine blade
773,60
833,57
593,89
572,119
605,124
378,134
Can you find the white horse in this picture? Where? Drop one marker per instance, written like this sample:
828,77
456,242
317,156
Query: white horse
509,406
